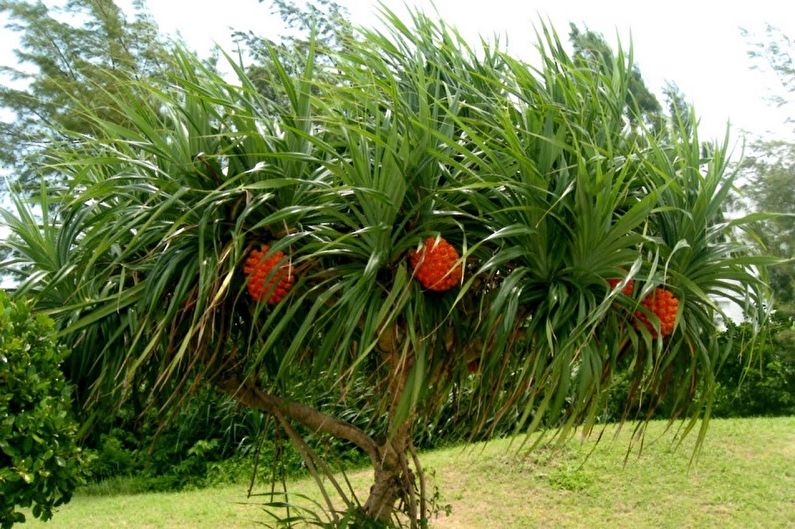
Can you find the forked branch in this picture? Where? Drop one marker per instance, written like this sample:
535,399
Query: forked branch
248,393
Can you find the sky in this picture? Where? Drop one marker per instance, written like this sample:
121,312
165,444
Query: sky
696,44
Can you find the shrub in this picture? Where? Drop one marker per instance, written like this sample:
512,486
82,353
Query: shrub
766,386
40,464
755,378
112,457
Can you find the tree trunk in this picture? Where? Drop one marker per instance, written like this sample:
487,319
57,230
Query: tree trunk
385,490
391,477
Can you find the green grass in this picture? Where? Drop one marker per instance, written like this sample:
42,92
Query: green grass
744,478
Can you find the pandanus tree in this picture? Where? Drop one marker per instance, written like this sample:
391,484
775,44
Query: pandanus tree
433,217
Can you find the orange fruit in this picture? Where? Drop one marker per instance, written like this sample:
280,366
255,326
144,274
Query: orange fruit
270,277
663,304
437,265
628,289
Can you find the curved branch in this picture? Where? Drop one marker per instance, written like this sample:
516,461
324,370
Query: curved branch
309,459
248,393
424,513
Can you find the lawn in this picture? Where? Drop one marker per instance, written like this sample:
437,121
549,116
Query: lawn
744,478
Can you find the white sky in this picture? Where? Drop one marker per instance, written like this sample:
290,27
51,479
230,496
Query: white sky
696,44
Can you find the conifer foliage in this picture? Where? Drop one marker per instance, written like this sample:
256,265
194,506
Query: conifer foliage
70,55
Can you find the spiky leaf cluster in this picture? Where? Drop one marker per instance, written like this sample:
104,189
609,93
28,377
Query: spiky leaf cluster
533,172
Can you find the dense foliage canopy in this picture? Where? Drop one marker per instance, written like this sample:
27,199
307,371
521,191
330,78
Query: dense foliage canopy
40,464
579,242
69,54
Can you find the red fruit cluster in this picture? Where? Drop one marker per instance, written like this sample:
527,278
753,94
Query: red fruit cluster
663,304
437,265
263,282
628,289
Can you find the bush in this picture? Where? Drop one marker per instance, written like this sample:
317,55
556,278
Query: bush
40,464
210,440
755,379
112,458
764,387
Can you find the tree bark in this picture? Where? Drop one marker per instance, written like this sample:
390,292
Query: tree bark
392,478
249,394
389,477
